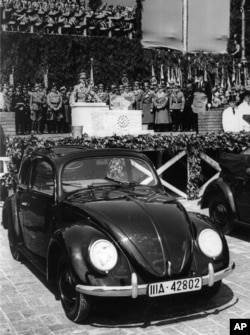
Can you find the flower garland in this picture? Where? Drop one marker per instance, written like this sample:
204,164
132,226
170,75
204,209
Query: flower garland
194,145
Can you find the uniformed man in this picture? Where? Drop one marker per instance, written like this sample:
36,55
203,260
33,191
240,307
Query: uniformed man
82,90
54,112
129,95
37,103
19,108
138,96
112,95
26,99
176,107
102,95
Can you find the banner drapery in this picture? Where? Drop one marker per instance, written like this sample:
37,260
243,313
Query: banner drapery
162,24
207,24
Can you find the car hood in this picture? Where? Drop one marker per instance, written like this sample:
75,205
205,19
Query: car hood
153,230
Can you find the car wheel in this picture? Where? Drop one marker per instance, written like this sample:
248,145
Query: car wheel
210,291
75,304
13,249
219,211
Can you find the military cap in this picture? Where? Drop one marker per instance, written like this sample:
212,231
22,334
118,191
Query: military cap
82,75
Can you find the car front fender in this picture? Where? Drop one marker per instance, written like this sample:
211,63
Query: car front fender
201,222
218,187
73,242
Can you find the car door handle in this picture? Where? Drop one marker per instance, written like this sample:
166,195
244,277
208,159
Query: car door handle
25,204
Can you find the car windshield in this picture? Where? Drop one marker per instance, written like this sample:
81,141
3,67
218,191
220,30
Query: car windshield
114,170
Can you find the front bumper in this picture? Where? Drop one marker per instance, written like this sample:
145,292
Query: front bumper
134,290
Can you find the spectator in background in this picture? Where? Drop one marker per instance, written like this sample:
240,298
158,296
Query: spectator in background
1,99
231,119
112,95
8,99
129,95
37,104
54,111
19,108
163,119
188,114
244,111
176,107
202,98
5,93
102,95
66,110
26,100
147,107
138,96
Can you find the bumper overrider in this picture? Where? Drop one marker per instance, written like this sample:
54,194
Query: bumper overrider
134,290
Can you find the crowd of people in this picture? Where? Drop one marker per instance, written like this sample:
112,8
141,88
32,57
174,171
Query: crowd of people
67,16
165,105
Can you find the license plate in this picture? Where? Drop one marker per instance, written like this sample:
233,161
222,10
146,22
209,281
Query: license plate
175,286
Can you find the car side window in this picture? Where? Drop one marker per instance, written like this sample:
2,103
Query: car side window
42,178
24,173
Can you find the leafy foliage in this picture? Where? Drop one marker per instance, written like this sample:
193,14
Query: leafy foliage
32,54
18,147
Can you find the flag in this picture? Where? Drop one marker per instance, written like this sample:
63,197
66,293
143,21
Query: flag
152,71
162,73
46,79
91,73
169,76
11,77
205,75
233,74
229,86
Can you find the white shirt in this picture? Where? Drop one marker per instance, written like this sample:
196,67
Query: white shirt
231,121
244,109
1,100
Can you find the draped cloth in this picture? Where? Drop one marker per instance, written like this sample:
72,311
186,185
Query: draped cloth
207,25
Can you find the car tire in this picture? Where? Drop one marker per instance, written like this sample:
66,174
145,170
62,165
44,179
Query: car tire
220,212
13,248
75,304
210,291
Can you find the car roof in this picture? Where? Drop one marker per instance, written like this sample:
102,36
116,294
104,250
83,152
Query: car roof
65,152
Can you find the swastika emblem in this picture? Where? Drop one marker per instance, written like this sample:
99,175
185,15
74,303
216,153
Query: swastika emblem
123,121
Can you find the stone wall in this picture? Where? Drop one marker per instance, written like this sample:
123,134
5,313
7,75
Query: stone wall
210,121
7,121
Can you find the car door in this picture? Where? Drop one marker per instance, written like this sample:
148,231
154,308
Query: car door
242,198
37,207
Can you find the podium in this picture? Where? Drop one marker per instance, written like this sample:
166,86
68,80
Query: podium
99,121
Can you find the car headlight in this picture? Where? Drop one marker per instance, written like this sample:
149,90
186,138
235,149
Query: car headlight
210,243
103,255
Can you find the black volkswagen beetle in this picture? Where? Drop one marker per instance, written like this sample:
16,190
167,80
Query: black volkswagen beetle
228,197
98,223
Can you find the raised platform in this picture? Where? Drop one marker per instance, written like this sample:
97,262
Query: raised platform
98,120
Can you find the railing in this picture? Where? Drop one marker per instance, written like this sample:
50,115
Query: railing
4,169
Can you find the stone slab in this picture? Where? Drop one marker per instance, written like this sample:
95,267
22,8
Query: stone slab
98,120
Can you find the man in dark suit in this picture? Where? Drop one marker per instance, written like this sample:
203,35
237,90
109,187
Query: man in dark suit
202,97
